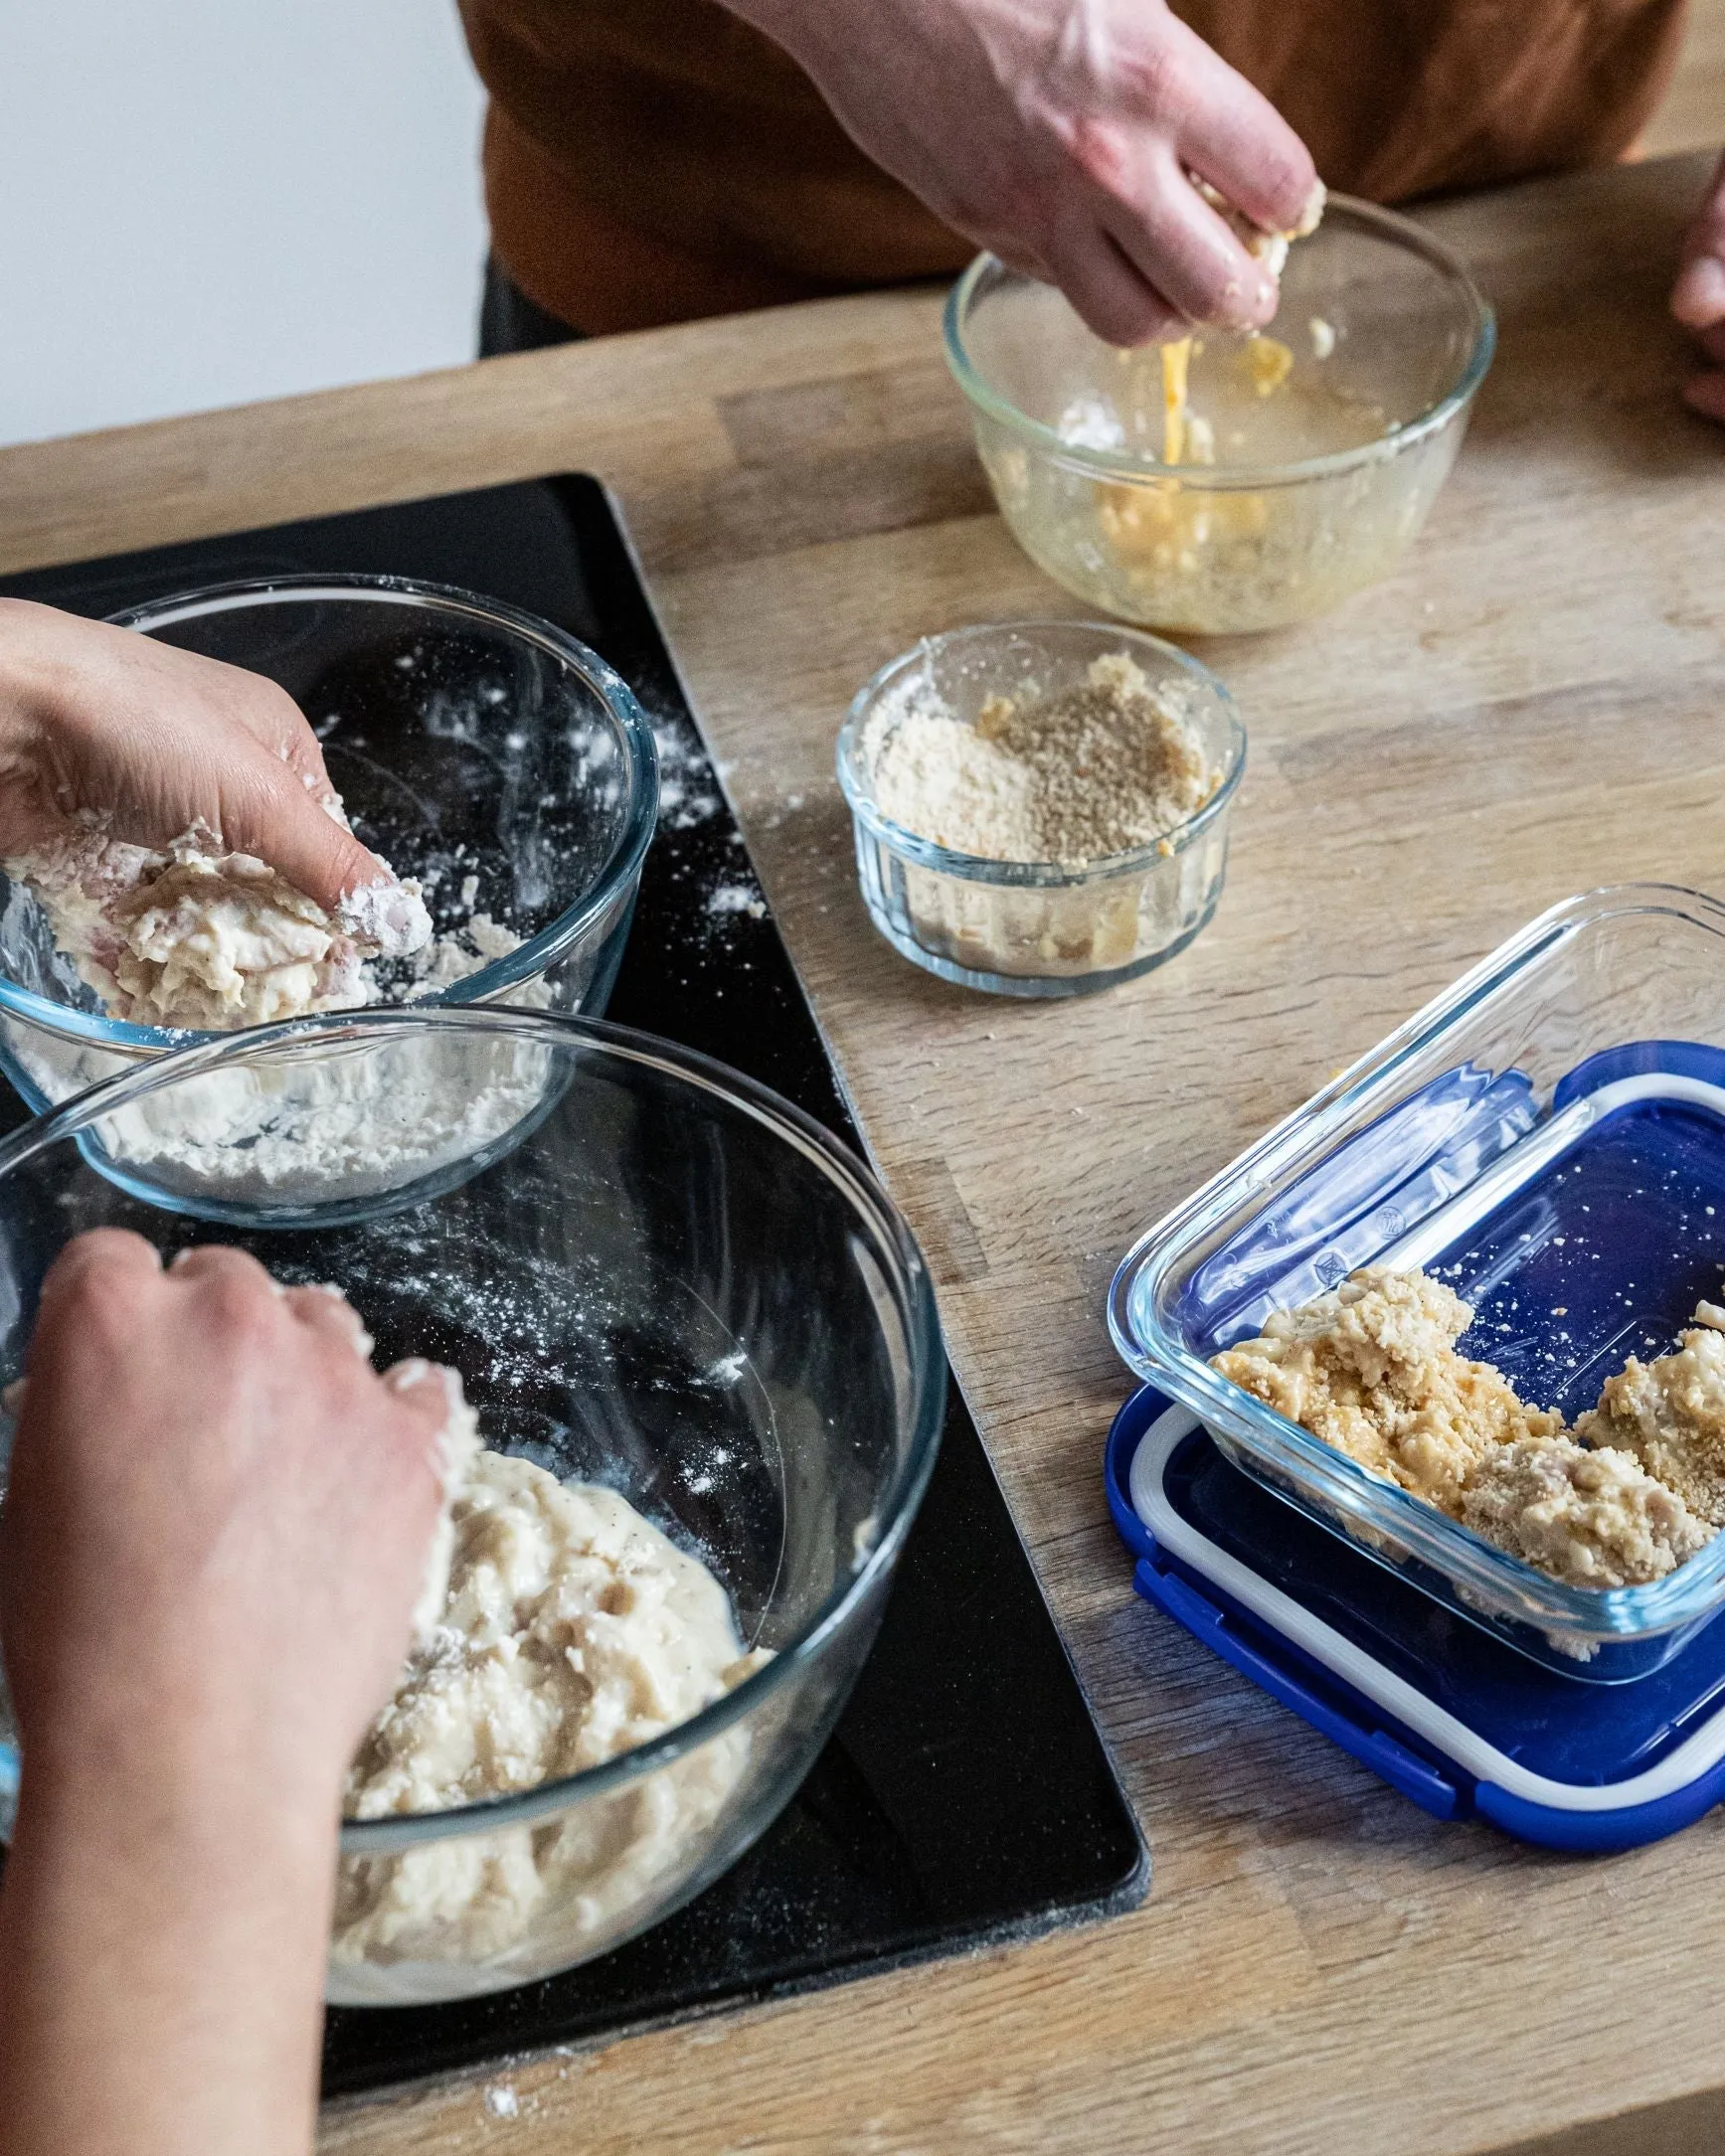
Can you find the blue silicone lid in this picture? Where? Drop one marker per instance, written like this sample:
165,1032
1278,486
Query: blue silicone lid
1582,1740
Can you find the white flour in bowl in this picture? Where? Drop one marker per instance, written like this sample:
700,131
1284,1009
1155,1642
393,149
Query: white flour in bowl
461,954
351,1119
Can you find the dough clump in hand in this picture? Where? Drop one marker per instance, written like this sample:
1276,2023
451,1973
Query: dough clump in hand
1269,247
199,938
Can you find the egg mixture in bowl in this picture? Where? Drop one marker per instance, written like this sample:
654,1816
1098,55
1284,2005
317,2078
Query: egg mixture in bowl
1228,481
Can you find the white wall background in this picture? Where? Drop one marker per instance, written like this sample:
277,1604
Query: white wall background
207,201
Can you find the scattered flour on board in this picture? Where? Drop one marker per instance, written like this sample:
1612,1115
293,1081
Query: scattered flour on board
688,792
738,899
689,795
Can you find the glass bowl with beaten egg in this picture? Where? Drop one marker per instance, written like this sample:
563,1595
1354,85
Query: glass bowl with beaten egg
1228,481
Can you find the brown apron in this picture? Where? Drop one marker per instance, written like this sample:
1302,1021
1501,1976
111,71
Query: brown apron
652,160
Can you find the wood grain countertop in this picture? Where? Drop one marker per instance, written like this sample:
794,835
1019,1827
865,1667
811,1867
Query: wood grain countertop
1535,705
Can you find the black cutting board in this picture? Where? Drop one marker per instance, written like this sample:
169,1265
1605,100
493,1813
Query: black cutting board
965,1796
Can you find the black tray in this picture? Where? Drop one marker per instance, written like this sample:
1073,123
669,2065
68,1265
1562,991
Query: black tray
965,1797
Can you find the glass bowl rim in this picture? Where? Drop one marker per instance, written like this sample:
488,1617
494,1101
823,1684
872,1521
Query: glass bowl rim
828,1155
619,872
1121,466
854,782
1605,1614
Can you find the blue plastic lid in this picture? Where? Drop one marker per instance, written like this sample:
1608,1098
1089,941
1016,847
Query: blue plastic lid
1568,1742
1581,1236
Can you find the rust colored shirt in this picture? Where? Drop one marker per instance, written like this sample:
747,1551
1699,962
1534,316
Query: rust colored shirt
648,161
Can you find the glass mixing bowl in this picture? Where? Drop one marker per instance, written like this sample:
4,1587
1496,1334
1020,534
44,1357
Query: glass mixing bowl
478,748
1331,433
1039,927
674,1284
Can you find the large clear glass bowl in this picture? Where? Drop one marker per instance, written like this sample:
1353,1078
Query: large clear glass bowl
1320,481
674,1284
1040,927
1549,1135
477,747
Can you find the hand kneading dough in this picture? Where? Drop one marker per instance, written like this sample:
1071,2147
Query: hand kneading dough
194,938
572,1631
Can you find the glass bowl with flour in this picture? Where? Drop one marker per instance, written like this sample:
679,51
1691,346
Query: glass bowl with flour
701,1354
495,762
1041,807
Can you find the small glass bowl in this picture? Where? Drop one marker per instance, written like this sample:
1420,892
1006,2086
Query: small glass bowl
1041,928
673,1284
1319,483
1474,1140
475,747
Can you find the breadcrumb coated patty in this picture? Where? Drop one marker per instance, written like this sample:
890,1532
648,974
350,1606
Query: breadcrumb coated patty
1372,1369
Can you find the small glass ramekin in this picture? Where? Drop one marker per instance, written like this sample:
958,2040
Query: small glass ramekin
1039,927
469,739
1625,984
1317,489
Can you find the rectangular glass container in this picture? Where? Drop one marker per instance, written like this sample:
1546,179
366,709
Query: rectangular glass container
1549,1136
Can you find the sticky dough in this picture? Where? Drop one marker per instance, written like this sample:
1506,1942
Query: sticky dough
195,937
1372,1369
570,1630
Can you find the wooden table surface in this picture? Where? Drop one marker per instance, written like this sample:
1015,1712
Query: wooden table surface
1532,705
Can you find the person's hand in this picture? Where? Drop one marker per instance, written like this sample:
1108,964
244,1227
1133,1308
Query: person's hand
1059,134
216,1523
101,721
1698,297
216,1528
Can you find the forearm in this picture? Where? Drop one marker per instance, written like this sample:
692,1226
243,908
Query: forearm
809,30
216,1523
161,1966
1063,134
29,683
